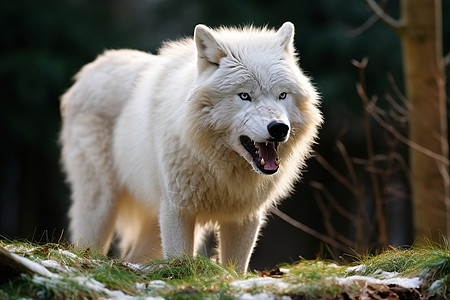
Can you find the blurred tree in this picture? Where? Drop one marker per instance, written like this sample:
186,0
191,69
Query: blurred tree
45,44
420,30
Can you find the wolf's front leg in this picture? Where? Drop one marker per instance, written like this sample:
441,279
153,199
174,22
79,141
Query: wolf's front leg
237,240
177,230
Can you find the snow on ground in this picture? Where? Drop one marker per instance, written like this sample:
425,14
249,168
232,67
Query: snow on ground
358,268
274,285
132,266
414,282
31,265
379,277
260,282
53,264
90,284
157,284
20,248
260,296
67,253
241,288
436,285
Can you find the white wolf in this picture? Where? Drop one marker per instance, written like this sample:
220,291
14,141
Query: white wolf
211,131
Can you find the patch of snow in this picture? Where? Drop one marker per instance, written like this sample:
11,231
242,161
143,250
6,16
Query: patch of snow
400,281
151,268
117,295
260,282
436,285
99,287
385,275
140,285
40,294
157,284
112,294
12,248
260,296
67,253
98,262
358,268
414,282
53,265
20,248
53,281
91,284
132,266
33,266
284,270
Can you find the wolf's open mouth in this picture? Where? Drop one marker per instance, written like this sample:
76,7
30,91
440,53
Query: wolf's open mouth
264,154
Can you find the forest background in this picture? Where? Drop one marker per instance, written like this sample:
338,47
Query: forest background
341,44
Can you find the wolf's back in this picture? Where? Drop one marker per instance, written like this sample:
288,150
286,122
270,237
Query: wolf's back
104,85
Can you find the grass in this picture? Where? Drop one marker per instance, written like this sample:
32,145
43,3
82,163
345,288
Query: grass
430,263
84,275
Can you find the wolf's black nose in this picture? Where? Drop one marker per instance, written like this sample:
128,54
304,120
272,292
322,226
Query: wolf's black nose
278,130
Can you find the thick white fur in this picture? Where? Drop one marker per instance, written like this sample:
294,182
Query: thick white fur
151,142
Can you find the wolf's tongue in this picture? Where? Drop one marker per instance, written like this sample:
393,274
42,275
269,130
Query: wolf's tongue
269,154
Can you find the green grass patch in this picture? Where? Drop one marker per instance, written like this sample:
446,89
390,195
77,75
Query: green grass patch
430,263
315,278
79,274
84,274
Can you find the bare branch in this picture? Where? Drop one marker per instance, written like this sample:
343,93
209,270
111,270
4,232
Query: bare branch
342,179
341,210
396,25
369,23
332,232
398,112
402,138
309,230
349,166
367,104
397,91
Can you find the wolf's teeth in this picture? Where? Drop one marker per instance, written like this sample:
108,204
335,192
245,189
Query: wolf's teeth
266,143
277,162
262,162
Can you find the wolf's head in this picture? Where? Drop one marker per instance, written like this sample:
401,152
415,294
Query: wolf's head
251,92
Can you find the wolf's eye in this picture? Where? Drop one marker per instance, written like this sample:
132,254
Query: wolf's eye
245,96
282,96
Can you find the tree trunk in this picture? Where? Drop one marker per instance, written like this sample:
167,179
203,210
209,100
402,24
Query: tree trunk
425,88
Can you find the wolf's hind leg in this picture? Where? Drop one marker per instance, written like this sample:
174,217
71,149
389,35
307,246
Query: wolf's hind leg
92,219
89,166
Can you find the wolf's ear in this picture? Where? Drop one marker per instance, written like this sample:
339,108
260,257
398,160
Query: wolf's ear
208,50
286,36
